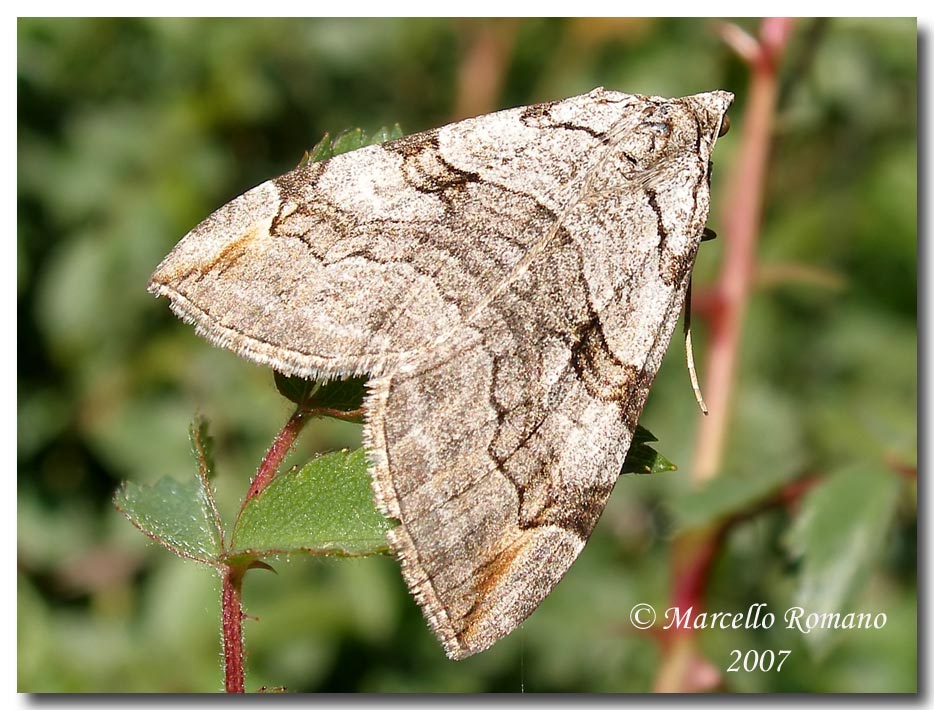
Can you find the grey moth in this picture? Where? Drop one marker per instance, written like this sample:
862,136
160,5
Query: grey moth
509,283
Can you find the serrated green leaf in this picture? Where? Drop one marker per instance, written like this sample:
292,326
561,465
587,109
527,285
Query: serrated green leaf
643,458
324,507
321,151
346,141
386,134
838,535
176,514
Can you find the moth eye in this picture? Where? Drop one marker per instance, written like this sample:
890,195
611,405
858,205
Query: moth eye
724,127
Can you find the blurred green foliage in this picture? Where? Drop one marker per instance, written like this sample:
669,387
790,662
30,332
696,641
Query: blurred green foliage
132,131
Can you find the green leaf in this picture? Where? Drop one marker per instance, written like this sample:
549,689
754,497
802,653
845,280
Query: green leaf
838,536
386,134
177,515
325,507
643,458
296,389
338,395
346,141
343,395
321,151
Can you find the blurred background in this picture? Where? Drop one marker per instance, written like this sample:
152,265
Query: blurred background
132,131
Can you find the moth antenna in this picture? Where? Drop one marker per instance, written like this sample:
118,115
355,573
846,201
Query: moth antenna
689,350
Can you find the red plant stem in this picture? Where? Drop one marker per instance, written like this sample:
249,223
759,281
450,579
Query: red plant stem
482,71
232,625
693,553
280,447
744,196
232,576
694,556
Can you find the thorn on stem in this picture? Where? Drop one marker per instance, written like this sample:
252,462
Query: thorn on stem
259,564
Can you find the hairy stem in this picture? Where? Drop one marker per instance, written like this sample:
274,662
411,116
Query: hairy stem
232,576
276,454
232,628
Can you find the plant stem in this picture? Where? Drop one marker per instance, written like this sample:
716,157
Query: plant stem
232,624
683,667
232,576
744,197
482,70
276,454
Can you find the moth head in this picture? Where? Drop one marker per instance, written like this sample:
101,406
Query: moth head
689,126
672,137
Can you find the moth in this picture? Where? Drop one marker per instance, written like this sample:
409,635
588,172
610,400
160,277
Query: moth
509,283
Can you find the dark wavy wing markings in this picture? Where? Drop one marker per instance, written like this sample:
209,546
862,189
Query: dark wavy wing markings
338,267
